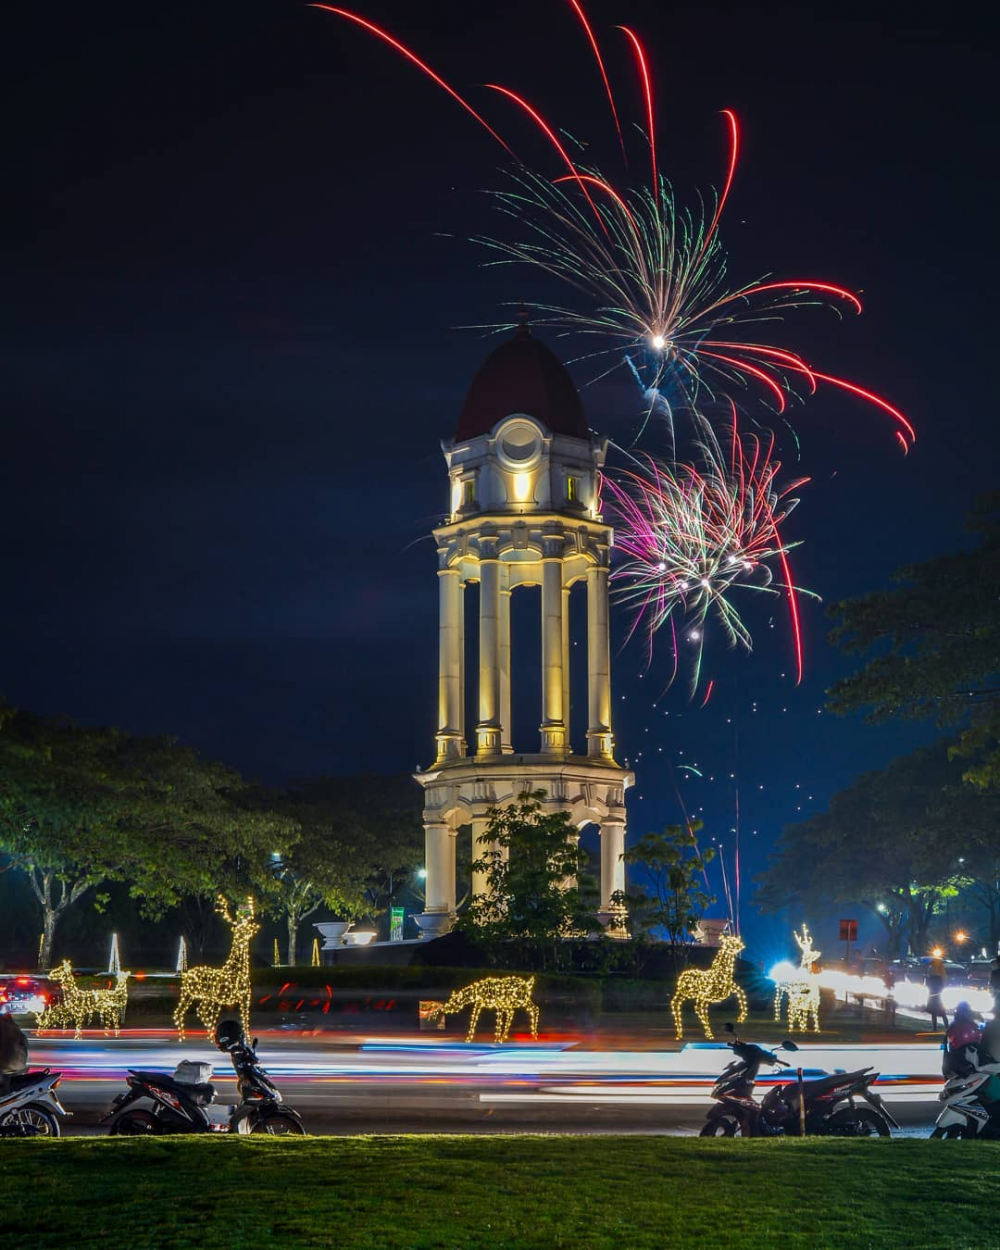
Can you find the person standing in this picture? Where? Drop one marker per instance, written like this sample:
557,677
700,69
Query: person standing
937,978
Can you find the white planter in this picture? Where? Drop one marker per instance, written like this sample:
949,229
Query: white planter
334,933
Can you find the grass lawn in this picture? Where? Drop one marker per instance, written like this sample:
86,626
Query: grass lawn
578,1192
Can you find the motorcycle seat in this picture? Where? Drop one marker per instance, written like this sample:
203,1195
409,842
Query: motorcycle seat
199,1093
19,1079
838,1078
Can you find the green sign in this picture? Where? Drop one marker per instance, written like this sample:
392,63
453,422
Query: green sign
396,918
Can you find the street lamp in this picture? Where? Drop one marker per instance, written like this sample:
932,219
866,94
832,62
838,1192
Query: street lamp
421,874
961,936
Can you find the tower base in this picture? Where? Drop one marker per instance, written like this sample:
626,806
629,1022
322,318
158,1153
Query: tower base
461,792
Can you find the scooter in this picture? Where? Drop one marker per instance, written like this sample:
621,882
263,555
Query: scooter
184,1102
736,1112
29,1107
828,1102
964,1113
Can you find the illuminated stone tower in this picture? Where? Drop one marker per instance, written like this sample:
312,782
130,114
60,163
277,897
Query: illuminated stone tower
525,506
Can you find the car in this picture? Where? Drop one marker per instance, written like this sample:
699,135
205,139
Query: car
27,994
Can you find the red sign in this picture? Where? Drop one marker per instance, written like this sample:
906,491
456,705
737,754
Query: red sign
848,930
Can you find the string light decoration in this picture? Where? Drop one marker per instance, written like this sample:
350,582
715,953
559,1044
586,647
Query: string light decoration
114,958
78,1006
182,955
315,953
209,990
277,955
504,995
799,987
709,985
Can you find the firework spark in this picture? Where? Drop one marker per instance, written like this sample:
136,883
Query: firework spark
694,535
649,277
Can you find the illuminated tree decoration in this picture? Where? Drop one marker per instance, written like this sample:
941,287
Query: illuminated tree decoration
710,985
182,955
799,987
315,953
504,995
79,1007
209,990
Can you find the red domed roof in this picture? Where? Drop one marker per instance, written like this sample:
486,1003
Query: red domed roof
522,375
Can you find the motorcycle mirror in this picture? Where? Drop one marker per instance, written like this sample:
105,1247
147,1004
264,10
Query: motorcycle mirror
256,1040
788,1044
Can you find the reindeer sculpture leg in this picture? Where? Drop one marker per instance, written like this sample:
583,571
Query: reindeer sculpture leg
533,1017
473,1021
741,998
701,1011
183,1007
677,1007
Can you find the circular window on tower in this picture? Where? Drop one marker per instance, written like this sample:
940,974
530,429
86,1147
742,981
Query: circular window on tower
519,443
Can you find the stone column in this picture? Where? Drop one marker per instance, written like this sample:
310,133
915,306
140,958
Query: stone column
439,862
553,728
479,824
599,741
488,729
612,917
506,725
567,711
451,647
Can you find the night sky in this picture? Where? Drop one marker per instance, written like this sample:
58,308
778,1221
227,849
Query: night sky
237,269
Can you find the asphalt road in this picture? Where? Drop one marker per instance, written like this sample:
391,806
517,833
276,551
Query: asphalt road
424,1084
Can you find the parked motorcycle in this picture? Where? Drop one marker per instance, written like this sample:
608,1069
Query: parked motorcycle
184,1102
828,1101
965,1112
29,1107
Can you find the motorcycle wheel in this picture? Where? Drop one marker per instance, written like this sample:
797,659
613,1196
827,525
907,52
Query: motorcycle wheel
29,1121
859,1122
135,1124
951,1133
277,1124
722,1127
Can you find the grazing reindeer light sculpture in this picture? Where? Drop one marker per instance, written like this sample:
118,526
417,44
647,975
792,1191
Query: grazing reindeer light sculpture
78,1007
209,990
800,987
709,985
504,995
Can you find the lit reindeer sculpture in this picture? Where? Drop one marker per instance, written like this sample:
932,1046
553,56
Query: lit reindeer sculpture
709,985
209,990
504,995
78,1007
801,988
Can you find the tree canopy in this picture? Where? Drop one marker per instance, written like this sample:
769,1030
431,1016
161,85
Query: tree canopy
934,643
674,869
900,841
80,806
537,887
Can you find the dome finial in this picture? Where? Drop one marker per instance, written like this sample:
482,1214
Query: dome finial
523,328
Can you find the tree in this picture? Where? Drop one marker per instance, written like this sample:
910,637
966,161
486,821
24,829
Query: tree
56,811
81,806
355,835
675,870
883,844
939,634
537,888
